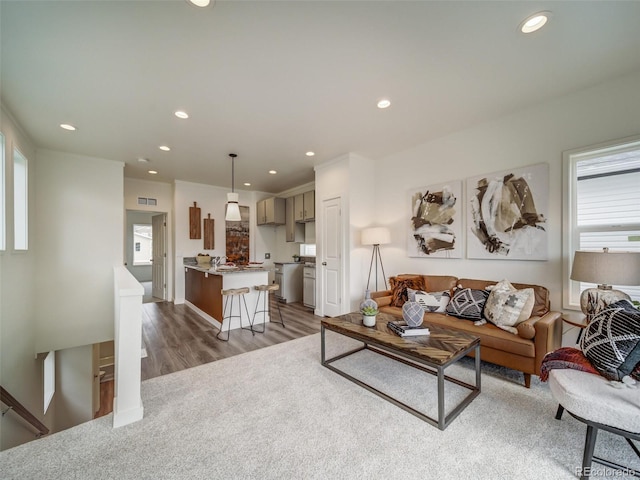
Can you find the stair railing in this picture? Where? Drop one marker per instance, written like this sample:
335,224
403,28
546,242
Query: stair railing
13,404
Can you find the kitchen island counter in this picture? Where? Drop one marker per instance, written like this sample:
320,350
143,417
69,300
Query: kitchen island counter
203,292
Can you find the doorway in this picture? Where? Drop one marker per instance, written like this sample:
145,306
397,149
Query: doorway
145,252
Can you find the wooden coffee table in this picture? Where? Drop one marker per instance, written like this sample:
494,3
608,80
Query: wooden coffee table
429,353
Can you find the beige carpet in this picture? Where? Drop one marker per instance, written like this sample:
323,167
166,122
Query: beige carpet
276,413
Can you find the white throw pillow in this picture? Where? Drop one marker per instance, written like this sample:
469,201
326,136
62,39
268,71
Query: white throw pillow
433,301
507,306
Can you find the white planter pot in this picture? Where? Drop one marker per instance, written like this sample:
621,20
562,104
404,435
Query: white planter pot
369,320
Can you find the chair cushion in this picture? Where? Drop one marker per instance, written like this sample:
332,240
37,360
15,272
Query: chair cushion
593,398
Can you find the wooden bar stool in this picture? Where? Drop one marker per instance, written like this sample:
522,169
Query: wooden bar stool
230,294
263,291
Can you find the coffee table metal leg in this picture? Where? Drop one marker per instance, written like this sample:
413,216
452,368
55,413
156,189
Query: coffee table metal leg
322,357
441,416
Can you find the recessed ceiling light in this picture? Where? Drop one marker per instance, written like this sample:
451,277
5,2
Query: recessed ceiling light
200,3
153,172
66,126
143,160
181,114
534,22
272,172
247,184
164,148
310,154
384,103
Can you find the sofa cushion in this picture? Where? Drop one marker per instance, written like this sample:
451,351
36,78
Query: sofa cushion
430,301
468,303
612,340
507,306
399,293
541,304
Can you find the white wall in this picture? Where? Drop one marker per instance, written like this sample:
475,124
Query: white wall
80,218
351,178
163,193
74,387
604,112
20,372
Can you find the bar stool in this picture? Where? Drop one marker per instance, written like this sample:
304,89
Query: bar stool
230,294
263,291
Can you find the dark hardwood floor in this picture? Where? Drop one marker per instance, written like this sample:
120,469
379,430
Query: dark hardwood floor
176,338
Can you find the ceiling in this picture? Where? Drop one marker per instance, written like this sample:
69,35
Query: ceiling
272,80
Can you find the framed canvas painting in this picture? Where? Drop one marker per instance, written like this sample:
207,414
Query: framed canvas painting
237,233
435,225
507,214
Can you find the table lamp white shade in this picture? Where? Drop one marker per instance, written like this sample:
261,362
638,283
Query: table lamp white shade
604,269
376,236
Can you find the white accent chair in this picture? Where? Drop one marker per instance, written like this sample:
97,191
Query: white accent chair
592,400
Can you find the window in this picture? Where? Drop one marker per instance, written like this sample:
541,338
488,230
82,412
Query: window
20,201
602,206
2,199
142,244
307,250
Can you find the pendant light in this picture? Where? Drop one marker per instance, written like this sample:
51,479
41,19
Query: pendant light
233,210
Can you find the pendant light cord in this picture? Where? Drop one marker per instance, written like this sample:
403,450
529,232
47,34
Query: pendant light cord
233,164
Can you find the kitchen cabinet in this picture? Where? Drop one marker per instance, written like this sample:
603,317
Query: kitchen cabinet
309,286
294,232
305,206
289,277
271,211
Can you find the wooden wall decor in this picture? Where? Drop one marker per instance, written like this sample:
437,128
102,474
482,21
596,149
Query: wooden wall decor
209,237
194,222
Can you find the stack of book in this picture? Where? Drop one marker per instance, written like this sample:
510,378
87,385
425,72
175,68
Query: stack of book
401,328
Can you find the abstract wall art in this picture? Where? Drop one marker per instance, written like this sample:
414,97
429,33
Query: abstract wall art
507,214
435,225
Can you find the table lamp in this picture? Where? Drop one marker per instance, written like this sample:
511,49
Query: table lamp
376,236
605,269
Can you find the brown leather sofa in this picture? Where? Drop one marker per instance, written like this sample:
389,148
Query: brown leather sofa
538,335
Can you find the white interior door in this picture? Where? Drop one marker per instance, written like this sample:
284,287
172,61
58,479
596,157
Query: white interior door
159,256
331,262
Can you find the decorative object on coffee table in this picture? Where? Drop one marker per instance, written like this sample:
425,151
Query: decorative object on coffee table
412,313
368,301
369,316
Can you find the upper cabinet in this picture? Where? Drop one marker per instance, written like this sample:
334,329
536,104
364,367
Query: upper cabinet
294,232
305,206
271,211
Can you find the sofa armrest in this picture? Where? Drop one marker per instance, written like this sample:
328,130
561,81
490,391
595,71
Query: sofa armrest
548,335
383,301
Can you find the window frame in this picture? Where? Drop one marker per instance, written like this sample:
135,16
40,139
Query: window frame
571,231
18,155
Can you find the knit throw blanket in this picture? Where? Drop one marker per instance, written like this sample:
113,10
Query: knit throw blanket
565,357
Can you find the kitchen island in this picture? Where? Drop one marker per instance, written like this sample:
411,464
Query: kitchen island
203,287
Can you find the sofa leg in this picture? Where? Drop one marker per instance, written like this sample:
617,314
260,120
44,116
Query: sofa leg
527,380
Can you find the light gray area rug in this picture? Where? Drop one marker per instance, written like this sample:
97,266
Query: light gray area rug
276,413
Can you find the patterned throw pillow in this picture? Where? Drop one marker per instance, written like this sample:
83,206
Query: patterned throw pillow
430,301
467,303
507,306
612,340
400,294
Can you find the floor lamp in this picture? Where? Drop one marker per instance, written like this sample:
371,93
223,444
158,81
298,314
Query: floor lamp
376,236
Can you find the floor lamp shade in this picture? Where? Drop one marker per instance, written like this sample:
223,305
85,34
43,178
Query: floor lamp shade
376,236
605,269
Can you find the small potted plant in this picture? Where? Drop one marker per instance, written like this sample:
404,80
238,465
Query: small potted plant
369,316
296,258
